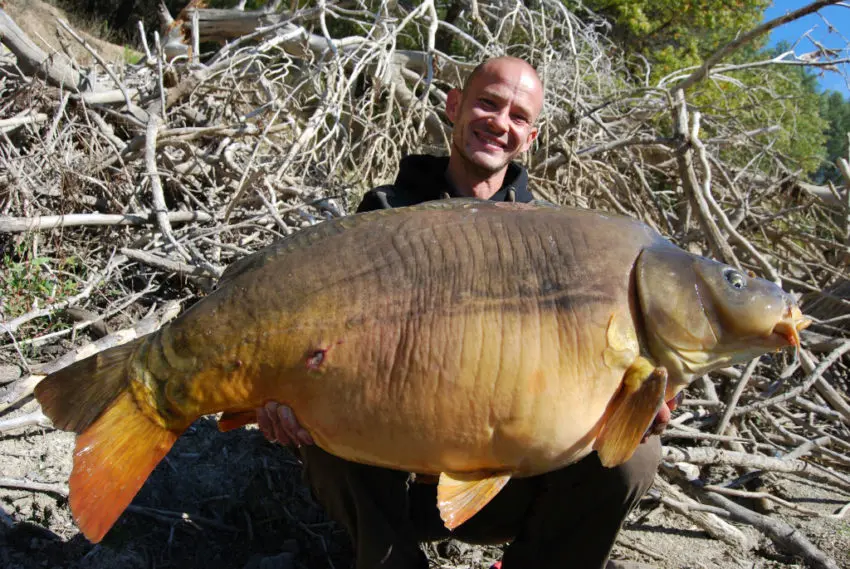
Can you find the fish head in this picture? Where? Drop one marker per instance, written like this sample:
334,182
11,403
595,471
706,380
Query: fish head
699,315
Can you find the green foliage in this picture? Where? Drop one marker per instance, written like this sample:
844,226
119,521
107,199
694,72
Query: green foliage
250,5
835,110
781,96
131,56
672,34
27,281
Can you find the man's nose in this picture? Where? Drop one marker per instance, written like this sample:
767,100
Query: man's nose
500,120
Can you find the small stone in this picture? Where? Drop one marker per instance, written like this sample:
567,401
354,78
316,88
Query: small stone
9,373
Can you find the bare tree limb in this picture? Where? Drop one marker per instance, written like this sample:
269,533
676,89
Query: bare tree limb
34,62
47,222
783,535
746,38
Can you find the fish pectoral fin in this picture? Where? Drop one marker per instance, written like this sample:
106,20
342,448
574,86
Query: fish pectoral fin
631,411
461,495
230,420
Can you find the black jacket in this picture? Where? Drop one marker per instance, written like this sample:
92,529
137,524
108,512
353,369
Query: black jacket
422,178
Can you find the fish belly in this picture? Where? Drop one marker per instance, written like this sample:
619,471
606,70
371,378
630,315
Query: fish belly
493,391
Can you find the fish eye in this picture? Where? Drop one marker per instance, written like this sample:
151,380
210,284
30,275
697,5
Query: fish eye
734,278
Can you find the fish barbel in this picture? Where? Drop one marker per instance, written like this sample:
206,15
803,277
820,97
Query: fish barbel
469,339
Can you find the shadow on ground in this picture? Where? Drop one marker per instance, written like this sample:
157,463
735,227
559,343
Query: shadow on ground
247,508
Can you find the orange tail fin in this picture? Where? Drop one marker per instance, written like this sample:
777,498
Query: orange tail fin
76,395
118,445
112,460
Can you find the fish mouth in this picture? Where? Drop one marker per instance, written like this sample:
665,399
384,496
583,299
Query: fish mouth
788,329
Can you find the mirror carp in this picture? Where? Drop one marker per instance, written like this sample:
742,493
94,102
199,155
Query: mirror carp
469,339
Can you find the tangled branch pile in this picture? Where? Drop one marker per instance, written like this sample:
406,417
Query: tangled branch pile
122,187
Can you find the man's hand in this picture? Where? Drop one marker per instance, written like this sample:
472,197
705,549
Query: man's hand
662,419
278,424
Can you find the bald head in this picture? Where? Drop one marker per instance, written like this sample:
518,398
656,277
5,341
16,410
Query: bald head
509,67
494,120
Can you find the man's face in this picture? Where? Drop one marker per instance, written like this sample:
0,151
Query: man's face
494,116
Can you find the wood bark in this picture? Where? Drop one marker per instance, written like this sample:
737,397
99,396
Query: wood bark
35,62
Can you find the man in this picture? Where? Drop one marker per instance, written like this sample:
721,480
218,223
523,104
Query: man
566,518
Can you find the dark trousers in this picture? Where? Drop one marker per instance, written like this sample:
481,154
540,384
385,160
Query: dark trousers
566,519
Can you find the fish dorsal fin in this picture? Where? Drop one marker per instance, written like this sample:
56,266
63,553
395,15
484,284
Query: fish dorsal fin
631,411
297,240
461,495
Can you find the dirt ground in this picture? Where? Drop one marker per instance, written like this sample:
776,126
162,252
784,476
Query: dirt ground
234,500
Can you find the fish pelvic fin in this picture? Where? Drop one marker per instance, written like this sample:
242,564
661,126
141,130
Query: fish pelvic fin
112,459
461,496
631,412
76,395
231,420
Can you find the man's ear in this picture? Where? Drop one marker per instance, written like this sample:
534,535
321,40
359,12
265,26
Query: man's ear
453,99
532,136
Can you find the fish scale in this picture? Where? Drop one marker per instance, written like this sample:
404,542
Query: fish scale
470,339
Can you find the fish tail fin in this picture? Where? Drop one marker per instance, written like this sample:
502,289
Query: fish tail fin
112,459
118,444
76,395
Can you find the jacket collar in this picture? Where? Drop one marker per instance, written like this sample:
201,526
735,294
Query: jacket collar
426,176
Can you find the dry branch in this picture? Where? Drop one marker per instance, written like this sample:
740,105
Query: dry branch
36,418
783,535
703,456
33,61
708,521
20,484
44,223
23,388
7,125
746,38
168,264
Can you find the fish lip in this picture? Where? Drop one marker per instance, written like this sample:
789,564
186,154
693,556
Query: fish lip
789,328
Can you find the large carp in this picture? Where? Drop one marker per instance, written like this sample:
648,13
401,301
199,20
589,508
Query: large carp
470,339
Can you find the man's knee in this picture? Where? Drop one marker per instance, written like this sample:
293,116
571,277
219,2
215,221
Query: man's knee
337,484
638,472
620,486
356,494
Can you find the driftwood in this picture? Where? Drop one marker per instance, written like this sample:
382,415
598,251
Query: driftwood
709,521
783,534
158,178
43,223
33,61
24,386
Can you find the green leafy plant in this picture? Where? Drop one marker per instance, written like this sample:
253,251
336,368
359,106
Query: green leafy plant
27,282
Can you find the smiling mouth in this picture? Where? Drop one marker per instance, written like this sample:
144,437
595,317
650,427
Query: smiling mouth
488,140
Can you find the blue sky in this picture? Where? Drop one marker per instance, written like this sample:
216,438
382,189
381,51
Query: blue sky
818,28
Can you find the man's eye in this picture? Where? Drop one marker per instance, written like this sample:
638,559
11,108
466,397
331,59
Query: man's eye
519,119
